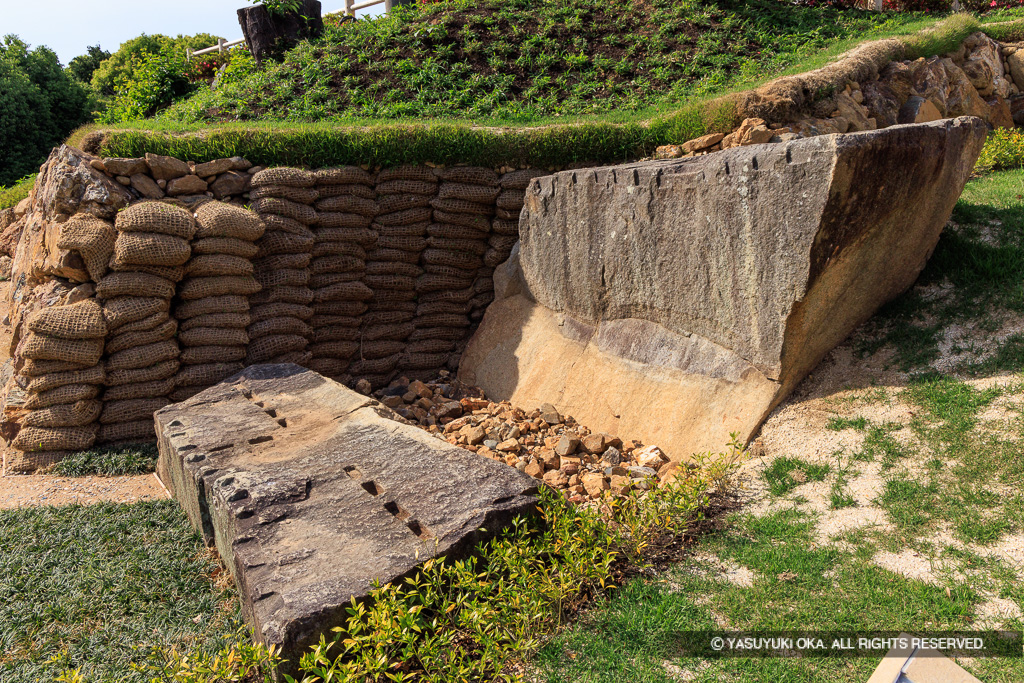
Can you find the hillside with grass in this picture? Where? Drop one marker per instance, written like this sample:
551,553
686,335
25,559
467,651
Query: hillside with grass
521,60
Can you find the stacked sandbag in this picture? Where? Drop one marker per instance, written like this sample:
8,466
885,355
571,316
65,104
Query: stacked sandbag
280,313
344,234
456,244
213,299
61,367
150,252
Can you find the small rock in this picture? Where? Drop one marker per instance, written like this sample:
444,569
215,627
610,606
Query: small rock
491,443
668,152
509,446
145,186
471,404
474,435
394,402
567,445
363,387
449,409
556,479
549,414
124,180
611,456
595,443
124,166
521,465
650,456
594,484
641,472
167,168
703,143
420,389
215,167
534,469
230,183
189,184
619,485
550,459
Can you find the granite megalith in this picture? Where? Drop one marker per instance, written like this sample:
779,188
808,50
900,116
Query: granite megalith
311,492
682,300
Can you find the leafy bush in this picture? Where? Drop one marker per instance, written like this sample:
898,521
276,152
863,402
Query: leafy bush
119,67
1003,149
10,196
152,82
41,104
84,66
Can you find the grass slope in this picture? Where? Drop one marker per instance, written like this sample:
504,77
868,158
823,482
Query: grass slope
517,60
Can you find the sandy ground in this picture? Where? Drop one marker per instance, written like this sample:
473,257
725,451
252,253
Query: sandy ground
43,489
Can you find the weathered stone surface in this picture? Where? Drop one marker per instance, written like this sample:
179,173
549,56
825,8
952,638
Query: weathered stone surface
680,301
919,110
166,168
1000,115
230,183
146,187
186,185
123,166
310,493
215,167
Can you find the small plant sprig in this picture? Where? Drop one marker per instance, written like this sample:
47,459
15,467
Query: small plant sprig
278,7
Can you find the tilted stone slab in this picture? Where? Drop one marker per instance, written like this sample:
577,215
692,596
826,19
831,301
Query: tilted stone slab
678,301
311,492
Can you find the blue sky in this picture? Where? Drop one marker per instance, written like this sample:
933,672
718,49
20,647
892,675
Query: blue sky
69,26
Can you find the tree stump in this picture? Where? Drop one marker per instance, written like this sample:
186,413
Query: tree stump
269,36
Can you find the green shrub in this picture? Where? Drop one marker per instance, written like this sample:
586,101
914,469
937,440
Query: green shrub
1003,149
10,196
119,66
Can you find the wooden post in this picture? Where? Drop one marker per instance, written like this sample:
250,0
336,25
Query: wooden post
188,54
348,8
220,45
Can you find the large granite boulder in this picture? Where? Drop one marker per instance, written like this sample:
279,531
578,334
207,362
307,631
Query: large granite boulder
680,301
311,492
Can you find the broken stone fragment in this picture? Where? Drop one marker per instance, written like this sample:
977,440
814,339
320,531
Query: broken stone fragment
166,168
186,185
567,445
124,166
550,414
146,187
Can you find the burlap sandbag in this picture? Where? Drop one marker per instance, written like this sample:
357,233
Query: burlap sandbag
459,295
475,175
391,296
507,214
340,263
276,310
335,349
407,172
32,439
412,244
40,368
396,255
393,268
130,410
376,366
285,277
239,320
503,242
441,320
410,230
160,387
26,463
172,273
69,393
349,309
93,239
292,177
478,194
224,245
208,374
139,376
345,291
297,357
65,415
361,236
287,295
430,346
208,265
302,195
495,257
480,222
447,333
185,393
217,219
322,280
519,180
142,356
156,217
456,232
335,333
291,226
421,187
82,320
510,200
362,191
283,261
430,307
388,317
265,348
380,349
83,351
322,249
400,202
134,284
127,432
283,207
423,361
329,367
343,175
284,243
405,217
151,249
376,282
477,246
93,375
283,325
463,260
201,355
332,219
431,282
214,336
481,300
405,305
349,204
387,332
500,227
209,305
226,285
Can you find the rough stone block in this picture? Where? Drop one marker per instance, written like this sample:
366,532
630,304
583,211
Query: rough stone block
310,492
